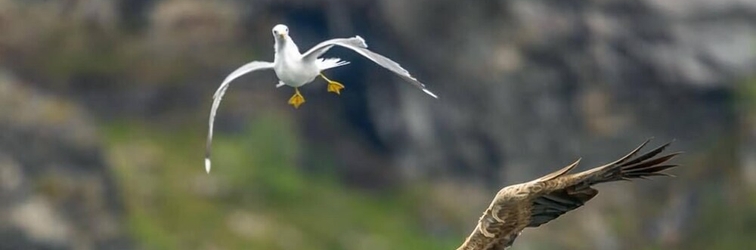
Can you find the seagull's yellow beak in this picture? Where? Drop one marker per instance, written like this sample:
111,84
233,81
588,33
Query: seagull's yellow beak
282,35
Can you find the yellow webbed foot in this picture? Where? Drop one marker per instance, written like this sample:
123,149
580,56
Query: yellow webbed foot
297,99
333,86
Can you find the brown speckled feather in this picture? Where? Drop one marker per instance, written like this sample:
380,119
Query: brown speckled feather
534,203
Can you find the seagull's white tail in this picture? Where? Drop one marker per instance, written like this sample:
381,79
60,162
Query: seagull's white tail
327,63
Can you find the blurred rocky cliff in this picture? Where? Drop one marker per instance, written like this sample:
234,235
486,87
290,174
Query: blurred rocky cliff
56,189
525,87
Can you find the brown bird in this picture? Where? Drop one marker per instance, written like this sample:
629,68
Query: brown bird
534,203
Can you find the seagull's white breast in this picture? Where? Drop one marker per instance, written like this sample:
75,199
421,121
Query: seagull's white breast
296,73
291,69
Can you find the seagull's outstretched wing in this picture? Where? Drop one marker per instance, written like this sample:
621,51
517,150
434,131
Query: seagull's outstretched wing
246,68
358,45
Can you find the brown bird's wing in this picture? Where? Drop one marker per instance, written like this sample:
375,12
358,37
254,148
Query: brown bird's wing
501,222
537,202
509,212
556,203
558,173
576,189
503,245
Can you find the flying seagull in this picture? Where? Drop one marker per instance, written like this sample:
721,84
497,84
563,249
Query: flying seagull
534,203
295,69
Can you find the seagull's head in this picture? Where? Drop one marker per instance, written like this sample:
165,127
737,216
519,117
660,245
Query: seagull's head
281,32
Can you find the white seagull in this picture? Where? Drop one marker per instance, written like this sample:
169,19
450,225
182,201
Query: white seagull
295,70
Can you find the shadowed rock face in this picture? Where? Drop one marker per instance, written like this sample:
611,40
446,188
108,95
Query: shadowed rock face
525,85
518,80
524,79
57,191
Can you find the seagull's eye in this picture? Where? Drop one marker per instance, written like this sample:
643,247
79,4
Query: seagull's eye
287,30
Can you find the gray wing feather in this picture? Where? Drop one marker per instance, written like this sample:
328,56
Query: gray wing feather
244,69
321,48
358,45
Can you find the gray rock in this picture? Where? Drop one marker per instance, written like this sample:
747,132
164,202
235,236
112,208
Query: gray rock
57,190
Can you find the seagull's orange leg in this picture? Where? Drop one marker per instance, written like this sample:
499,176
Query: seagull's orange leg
333,86
297,99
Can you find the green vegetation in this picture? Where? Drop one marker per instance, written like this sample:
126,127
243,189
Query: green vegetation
725,223
747,95
255,197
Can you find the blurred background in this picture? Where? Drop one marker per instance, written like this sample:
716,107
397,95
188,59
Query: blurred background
104,105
